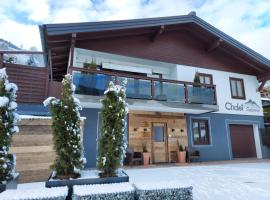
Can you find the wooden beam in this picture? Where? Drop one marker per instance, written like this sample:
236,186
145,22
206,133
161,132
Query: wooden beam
214,45
158,33
50,64
264,76
71,52
261,85
1,60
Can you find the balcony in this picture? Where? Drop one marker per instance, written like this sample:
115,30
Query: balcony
95,82
28,70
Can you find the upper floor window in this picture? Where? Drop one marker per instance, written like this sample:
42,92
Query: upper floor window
237,88
206,78
200,132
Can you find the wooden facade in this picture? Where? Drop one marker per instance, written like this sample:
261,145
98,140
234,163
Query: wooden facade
32,81
141,133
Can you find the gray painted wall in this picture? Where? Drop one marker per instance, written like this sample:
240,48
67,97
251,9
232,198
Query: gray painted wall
90,135
220,139
220,147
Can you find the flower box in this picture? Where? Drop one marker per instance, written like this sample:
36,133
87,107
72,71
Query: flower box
88,177
12,184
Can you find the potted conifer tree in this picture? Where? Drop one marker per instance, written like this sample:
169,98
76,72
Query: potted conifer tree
146,155
8,126
112,141
66,132
181,154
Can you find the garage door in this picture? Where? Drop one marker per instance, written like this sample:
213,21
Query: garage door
242,141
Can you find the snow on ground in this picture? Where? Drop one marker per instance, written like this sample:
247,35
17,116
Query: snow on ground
222,182
246,181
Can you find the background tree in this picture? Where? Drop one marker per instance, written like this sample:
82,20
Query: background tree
66,131
112,141
8,121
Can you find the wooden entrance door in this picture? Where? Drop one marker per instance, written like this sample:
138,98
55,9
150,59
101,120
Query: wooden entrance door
242,141
159,143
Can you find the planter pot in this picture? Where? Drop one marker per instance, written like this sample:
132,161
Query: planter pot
181,155
86,179
146,158
10,185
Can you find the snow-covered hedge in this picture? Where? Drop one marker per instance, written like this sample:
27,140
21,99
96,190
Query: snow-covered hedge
58,193
115,191
163,190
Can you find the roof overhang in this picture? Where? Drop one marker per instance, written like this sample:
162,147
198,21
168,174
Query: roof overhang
58,36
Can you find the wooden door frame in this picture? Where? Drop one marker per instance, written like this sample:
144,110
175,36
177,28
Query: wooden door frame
165,138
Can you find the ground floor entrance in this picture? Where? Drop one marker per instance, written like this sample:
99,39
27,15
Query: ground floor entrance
158,133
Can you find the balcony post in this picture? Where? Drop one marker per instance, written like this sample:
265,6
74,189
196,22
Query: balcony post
1,60
152,89
186,93
215,95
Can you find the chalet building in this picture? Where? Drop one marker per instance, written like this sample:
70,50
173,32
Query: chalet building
221,116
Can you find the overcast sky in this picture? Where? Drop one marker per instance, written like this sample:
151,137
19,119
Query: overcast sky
246,20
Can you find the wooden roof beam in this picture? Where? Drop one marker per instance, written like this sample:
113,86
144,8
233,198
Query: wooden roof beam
71,51
261,85
158,33
214,45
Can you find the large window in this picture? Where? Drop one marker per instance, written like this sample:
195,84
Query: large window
200,132
206,78
237,88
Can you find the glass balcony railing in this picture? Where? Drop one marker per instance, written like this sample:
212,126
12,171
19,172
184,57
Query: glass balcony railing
172,92
96,82
200,95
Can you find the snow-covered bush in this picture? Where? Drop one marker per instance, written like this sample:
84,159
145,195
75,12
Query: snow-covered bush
115,191
66,131
8,125
112,141
58,193
163,190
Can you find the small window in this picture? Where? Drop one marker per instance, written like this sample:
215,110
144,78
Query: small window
206,78
200,131
237,88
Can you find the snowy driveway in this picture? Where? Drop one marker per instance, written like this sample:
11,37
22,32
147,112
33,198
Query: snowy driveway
248,181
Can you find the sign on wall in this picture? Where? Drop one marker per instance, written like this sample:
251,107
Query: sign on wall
249,106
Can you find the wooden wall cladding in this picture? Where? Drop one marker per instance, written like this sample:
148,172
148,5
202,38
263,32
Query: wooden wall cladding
140,131
31,81
33,147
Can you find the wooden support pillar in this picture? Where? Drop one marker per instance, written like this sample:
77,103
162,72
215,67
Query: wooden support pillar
261,85
50,64
1,60
71,52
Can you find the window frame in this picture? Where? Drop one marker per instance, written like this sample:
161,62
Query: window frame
200,143
242,87
206,75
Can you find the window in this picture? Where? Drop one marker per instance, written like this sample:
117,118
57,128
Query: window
237,88
200,131
206,78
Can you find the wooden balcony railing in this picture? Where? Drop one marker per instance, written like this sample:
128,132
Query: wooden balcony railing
94,82
32,81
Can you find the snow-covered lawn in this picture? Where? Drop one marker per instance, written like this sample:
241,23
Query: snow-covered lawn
247,181
219,182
